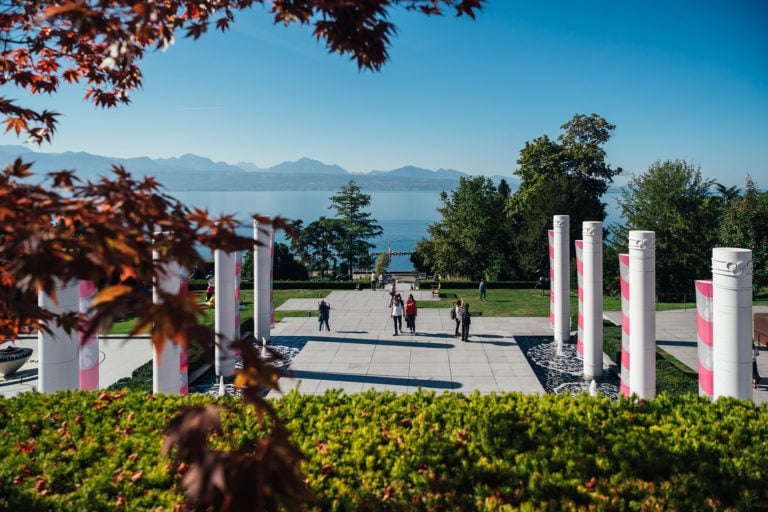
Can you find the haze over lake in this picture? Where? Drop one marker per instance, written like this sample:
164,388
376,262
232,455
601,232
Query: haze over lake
404,215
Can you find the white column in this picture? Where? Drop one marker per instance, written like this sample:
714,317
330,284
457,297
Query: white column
238,269
89,347
642,311
224,278
58,351
166,360
732,322
562,284
261,268
271,278
704,335
624,282
593,298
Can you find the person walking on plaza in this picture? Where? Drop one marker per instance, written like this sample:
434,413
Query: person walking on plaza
323,313
410,313
466,319
397,313
482,288
373,281
456,314
381,281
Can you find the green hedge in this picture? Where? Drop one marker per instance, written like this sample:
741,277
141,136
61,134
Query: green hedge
100,451
201,284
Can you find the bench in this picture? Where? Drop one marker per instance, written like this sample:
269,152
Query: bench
436,289
761,328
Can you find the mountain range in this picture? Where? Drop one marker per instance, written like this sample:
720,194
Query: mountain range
193,172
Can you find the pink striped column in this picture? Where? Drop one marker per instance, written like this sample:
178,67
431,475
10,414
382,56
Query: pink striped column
551,236
624,281
704,335
580,289
89,347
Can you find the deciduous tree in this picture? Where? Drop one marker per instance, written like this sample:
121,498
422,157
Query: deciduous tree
466,241
672,199
744,223
318,241
564,177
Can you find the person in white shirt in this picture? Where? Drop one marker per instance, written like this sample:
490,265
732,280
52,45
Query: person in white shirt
397,313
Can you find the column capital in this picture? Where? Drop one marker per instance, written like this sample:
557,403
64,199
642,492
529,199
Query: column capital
642,240
728,261
592,231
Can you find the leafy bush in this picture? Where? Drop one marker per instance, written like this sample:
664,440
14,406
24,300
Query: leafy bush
381,451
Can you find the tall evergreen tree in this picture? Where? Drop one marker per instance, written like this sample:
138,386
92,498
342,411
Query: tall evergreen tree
358,226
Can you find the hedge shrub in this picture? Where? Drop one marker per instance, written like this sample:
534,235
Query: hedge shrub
381,451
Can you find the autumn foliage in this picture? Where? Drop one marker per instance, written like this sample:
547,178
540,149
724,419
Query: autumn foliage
100,44
62,229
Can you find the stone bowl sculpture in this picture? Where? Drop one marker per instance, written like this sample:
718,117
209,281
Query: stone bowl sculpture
13,358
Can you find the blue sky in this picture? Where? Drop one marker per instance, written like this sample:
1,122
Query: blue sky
679,79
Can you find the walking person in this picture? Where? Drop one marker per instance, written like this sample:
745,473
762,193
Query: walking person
323,314
466,320
373,281
397,313
755,373
456,314
482,289
410,313
211,288
381,281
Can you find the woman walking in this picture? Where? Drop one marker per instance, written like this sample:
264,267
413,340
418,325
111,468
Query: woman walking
397,313
323,313
456,314
410,313
466,319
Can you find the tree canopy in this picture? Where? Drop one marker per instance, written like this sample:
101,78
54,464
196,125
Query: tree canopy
564,177
467,241
356,226
672,199
744,223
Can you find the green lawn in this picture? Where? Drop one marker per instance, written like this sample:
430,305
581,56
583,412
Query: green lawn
499,303
522,302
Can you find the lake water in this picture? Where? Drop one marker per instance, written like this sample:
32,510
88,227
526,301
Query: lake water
404,216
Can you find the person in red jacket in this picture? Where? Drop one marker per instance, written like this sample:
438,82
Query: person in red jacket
410,313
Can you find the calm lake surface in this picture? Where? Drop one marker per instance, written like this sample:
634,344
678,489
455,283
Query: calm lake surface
404,216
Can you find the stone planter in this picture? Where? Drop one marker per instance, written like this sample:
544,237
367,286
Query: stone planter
13,358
